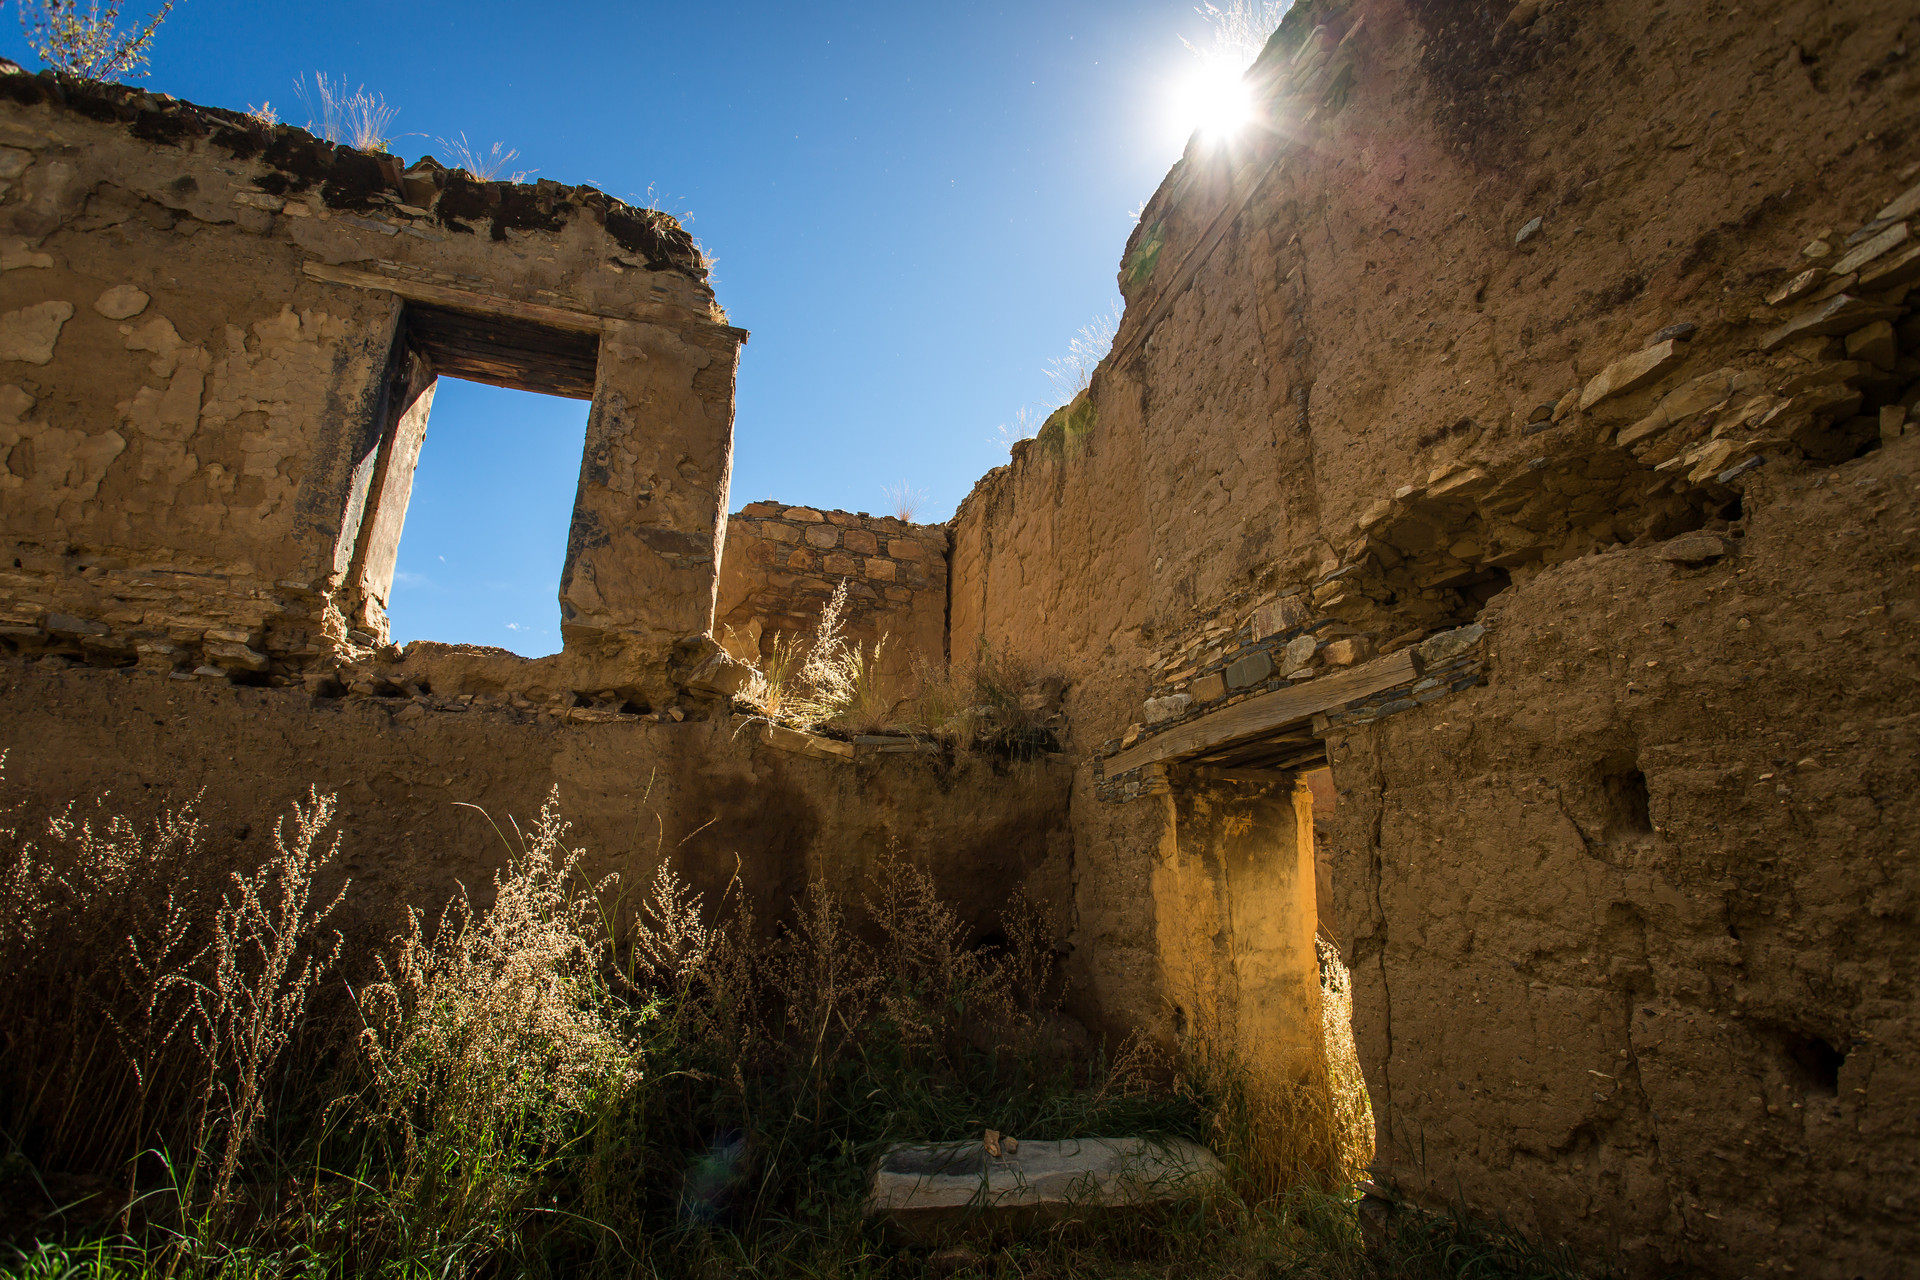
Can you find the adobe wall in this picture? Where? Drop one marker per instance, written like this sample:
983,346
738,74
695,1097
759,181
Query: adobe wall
711,794
782,564
218,347
1470,365
218,341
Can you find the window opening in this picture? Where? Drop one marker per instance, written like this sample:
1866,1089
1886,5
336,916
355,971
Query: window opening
486,506
486,529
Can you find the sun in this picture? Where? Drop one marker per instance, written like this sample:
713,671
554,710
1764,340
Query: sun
1215,100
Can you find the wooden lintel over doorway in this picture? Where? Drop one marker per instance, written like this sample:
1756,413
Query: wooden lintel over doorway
1268,713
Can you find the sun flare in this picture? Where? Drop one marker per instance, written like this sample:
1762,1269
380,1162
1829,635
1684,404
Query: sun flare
1215,100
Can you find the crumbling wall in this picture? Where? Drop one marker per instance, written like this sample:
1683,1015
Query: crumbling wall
734,813
1527,322
782,564
218,341
218,347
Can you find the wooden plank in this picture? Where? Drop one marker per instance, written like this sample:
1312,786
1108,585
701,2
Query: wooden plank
461,299
1268,712
508,352
1259,777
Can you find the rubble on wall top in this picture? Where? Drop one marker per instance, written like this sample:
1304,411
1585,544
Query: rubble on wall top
351,179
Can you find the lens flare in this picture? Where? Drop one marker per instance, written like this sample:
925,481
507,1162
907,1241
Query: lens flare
1216,100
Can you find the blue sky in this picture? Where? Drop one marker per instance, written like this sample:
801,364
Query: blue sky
912,206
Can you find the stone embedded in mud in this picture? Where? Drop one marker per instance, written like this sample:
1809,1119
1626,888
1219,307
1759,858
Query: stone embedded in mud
1171,707
936,1192
1344,653
1691,397
61,624
1633,372
1289,612
1842,313
1448,645
1297,654
721,673
1522,15
1875,345
1889,273
122,302
1529,231
1797,288
1892,238
229,654
1253,668
1907,202
1695,548
1208,687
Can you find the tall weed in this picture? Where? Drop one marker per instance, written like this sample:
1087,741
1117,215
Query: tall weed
823,679
545,1082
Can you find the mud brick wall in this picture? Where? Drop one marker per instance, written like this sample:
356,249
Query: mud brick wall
218,346
782,564
1588,327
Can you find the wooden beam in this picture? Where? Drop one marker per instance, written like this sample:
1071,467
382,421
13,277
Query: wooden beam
460,299
1268,712
506,351
1260,777
489,304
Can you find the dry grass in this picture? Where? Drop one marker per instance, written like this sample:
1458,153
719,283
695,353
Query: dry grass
1240,29
485,165
488,1038
822,679
988,700
549,1084
263,963
145,1006
1072,373
1025,425
905,501
356,118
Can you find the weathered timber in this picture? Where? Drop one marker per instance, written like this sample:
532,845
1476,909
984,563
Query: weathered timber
1268,712
488,304
463,299
506,351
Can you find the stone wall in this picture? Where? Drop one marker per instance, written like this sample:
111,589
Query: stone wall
218,342
782,563
1563,354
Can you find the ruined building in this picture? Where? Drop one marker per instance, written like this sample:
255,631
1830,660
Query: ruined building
1519,424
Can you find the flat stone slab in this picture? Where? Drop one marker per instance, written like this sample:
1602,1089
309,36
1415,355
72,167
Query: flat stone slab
930,1192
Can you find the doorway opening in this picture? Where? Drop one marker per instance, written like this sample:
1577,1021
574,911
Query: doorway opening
1255,945
487,519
